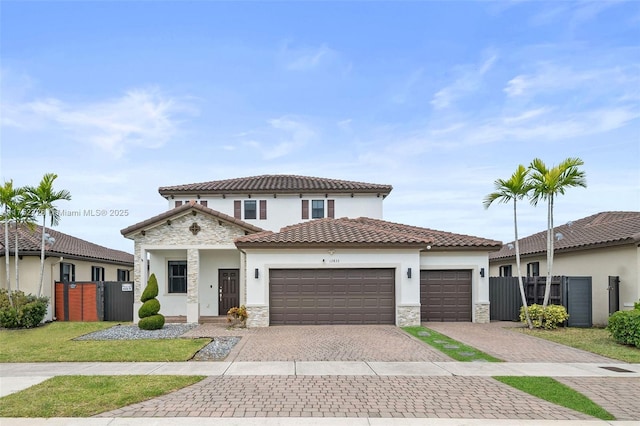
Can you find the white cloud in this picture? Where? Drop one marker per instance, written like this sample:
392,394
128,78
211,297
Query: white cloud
469,80
304,59
141,118
283,136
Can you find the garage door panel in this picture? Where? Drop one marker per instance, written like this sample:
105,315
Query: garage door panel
445,295
332,296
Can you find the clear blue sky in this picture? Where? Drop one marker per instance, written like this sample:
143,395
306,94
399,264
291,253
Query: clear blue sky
437,99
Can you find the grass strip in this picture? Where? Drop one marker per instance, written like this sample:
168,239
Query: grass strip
52,343
445,345
557,393
595,340
86,396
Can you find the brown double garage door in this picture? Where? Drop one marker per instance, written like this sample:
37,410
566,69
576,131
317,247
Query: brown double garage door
362,296
331,296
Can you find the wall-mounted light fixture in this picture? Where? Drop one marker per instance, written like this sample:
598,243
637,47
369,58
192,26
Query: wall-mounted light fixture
257,273
482,272
408,272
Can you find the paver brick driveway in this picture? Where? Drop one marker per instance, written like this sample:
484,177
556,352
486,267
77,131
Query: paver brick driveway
333,343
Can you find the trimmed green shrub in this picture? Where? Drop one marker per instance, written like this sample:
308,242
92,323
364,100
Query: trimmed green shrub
624,327
151,291
150,319
548,318
27,311
149,308
154,322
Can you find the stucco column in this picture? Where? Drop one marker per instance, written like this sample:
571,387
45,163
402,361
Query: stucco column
193,274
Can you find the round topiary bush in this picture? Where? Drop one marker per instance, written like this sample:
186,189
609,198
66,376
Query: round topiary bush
148,308
150,319
154,322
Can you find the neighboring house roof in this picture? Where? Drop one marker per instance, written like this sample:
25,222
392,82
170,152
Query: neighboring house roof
29,244
275,184
599,230
362,232
185,208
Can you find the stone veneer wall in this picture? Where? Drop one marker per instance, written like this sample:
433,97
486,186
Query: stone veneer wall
258,316
482,313
408,316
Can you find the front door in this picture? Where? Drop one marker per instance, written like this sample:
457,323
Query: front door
228,290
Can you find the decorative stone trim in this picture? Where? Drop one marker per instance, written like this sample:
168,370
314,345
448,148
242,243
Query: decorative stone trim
482,314
408,316
258,316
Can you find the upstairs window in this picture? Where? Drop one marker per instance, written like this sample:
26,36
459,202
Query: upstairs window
317,209
97,273
177,276
505,271
250,209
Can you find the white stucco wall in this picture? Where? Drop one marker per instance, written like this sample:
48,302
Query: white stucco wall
211,261
471,260
599,264
287,209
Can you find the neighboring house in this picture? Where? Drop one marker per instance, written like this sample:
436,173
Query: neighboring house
305,250
67,258
600,246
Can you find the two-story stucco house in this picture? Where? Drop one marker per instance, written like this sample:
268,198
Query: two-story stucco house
305,250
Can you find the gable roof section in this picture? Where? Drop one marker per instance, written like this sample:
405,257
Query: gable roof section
275,184
183,209
64,245
360,233
599,230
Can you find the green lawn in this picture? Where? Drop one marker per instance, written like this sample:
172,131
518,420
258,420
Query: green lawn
596,340
442,343
557,393
53,343
85,396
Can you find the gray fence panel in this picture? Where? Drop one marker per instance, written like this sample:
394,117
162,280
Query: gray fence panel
504,298
579,303
118,301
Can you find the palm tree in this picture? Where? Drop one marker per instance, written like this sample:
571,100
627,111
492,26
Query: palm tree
20,215
8,195
547,184
40,200
513,189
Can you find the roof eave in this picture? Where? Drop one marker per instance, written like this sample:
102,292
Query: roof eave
326,245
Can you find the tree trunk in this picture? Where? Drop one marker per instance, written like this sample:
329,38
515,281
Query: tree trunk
44,222
520,284
15,254
6,255
547,286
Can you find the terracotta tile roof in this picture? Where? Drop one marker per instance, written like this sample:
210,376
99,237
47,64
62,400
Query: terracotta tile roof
186,207
361,232
601,229
277,184
64,245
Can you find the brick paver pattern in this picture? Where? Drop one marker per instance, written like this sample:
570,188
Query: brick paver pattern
349,396
619,396
512,346
325,343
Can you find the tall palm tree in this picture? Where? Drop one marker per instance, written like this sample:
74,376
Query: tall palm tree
8,195
21,215
547,184
513,189
40,200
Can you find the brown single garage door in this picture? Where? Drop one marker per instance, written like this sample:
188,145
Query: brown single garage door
331,296
445,295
